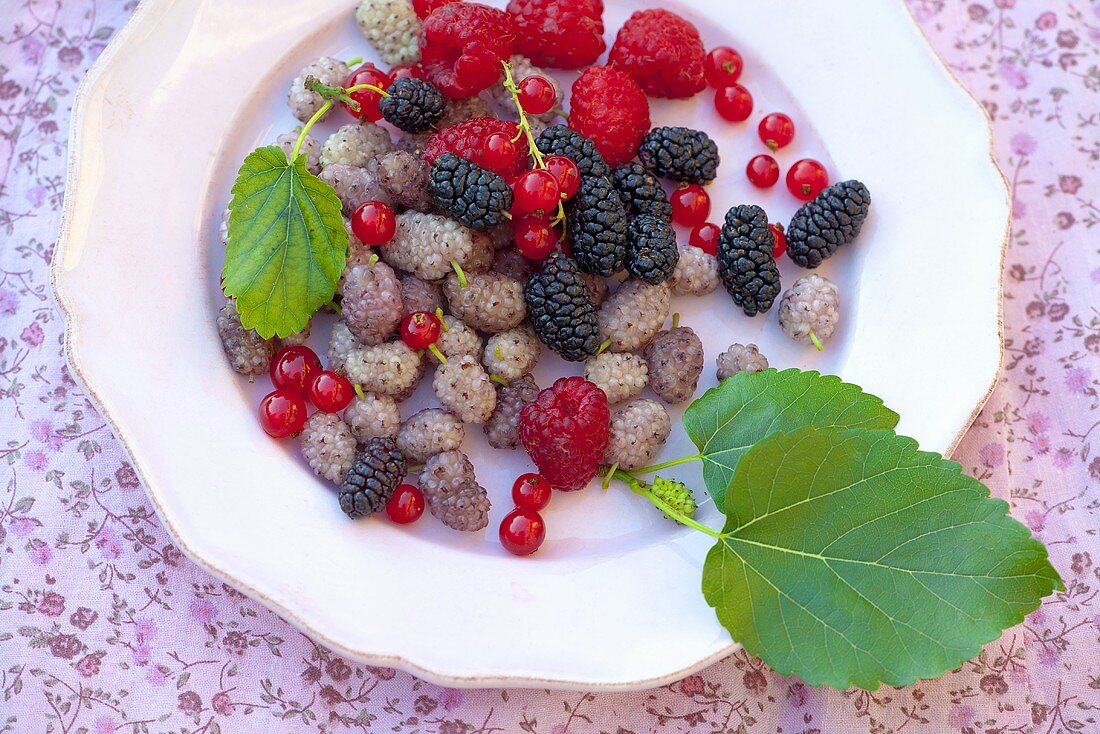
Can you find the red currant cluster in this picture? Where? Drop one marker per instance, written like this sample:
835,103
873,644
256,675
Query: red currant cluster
540,192
365,107
298,376
523,530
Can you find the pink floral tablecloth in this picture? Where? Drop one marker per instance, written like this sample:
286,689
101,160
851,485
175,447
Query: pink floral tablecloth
105,627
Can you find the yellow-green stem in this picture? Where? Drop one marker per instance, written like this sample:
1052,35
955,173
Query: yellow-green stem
307,127
641,489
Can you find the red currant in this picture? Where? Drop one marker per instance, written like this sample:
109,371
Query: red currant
532,492
407,71
368,100
537,190
567,174
282,414
763,171
807,179
535,238
499,152
522,532
690,205
424,8
537,94
406,505
723,67
374,223
780,240
705,237
294,368
331,392
733,103
420,330
777,130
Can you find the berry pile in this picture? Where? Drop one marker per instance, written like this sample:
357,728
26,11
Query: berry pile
485,224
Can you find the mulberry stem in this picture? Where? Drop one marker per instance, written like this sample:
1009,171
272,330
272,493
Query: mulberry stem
640,488
462,281
359,391
668,464
816,341
499,380
604,346
438,354
442,321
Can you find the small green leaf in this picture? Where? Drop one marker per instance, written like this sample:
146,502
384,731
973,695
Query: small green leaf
852,558
729,419
287,243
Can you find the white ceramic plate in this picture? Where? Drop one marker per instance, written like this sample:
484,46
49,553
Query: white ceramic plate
612,601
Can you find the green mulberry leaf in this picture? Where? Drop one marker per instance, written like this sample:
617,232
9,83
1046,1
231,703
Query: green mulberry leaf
287,243
728,420
850,557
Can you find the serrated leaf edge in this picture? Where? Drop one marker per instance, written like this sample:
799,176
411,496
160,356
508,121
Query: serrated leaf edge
1057,583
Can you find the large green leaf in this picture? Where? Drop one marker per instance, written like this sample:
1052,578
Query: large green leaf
287,243
852,558
729,419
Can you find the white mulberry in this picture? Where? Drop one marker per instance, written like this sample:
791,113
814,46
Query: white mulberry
457,340
371,303
675,359
464,388
696,273
811,305
387,369
373,416
426,245
391,26
633,315
512,354
489,302
310,148
303,103
341,343
354,186
741,358
638,430
621,375
328,446
248,353
502,428
356,145
430,432
405,179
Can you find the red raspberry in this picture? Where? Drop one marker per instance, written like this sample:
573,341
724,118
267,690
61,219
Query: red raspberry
462,46
566,431
609,107
467,140
559,34
663,52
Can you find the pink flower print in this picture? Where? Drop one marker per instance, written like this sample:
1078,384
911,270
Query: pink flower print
108,543
1036,309
35,460
64,646
190,703
1092,343
1038,616
1094,276
1067,61
1019,208
105,725
235,642
222,704
1062,458
83,618
693,685
1036,521
992,455
1067,39
1094,468
33,334
1058,311
1046,21
42,431
338,669
70,57
1037,423
961,716
1013,75
1041,444
1023,144
21,526
8,302
10,89
89,665
1070,184
156,676
141,653
450,699
1077,380
1048,656
145,630
51,604
126,477
755,681
31,49
39,552
1005,4
977,12
379,673
922,13
1064,220
36,195
203,610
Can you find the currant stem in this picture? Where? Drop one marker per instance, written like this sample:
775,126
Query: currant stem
640,488
668,464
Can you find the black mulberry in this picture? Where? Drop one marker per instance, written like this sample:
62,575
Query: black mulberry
641,192
468,193
378,469
652,254
598,227
414,105
681,154
560,140
827,223
561,310
745,260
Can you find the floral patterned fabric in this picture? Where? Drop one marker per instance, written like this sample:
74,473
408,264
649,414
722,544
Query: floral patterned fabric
105,627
